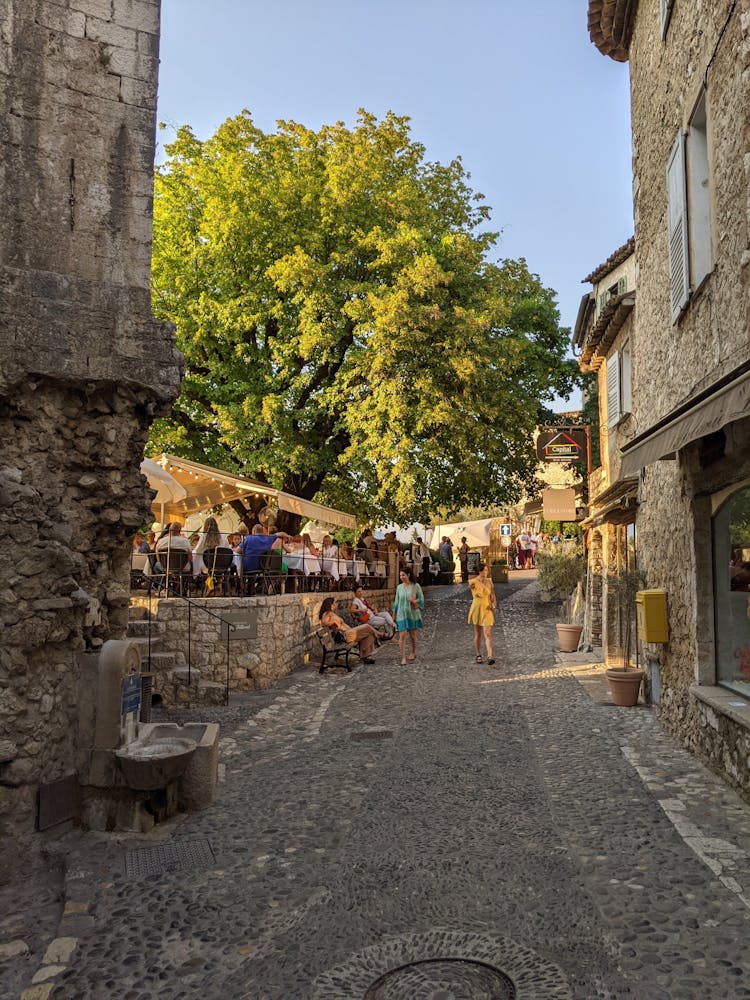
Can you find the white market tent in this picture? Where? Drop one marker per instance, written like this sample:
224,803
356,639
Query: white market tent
477,533
205,487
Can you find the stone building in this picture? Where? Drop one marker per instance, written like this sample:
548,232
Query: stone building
84,367
690,444
603,336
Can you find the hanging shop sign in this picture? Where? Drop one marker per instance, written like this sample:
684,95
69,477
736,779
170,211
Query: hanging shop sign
559,505
562,444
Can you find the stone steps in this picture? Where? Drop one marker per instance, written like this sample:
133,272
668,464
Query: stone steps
170,675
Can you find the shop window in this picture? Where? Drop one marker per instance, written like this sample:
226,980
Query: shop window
731,552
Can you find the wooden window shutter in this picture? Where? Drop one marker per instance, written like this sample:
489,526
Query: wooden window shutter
622,286
679,275
613,389
602,302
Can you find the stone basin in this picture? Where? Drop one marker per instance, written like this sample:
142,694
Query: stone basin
152,761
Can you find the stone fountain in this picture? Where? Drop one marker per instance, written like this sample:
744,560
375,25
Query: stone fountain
135,774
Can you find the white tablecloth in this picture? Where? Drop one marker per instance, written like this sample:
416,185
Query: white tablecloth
307,563
339,567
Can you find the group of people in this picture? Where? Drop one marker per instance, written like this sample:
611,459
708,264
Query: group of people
247,548
368,626
403,622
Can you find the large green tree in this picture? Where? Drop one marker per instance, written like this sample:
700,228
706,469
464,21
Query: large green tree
346,334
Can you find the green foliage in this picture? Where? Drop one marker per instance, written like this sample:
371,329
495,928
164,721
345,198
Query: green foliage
559,574
346,335
739,528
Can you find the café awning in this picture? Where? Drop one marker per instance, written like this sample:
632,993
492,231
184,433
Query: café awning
317,511
706,413
207,487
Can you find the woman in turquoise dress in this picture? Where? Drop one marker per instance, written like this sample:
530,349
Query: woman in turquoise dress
407,612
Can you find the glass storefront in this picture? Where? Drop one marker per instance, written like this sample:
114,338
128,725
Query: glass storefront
731,547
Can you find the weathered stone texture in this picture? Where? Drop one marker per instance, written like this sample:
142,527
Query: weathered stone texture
712,336
83,366
708,341
285,640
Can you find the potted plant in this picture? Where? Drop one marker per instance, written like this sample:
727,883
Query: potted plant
499,571
560,574
625,681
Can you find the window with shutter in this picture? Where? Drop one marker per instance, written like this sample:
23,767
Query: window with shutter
699,195
626,380
665,12
613,389
622,286
679,279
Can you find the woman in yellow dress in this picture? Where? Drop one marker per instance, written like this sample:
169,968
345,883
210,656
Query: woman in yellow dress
481,613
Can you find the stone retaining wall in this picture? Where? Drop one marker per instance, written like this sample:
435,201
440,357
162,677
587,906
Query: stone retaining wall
283,640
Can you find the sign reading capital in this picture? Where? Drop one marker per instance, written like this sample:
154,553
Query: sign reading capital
561,444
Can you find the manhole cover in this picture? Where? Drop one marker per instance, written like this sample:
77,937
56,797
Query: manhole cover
167,857
373,734
443,979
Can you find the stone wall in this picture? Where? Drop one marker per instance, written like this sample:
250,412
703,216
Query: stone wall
710,339
84,368
283,639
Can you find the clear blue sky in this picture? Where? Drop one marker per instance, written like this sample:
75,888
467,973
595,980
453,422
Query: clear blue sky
515,87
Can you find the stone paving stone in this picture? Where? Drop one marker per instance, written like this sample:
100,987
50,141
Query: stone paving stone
493,815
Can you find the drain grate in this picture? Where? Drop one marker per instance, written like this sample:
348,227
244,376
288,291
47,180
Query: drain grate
443,979
168,857
372,734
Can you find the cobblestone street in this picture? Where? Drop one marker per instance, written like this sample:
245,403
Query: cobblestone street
446,830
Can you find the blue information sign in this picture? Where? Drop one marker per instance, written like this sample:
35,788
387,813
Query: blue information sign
505,529
131,694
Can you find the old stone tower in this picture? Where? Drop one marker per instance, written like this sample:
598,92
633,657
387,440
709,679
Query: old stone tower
84,367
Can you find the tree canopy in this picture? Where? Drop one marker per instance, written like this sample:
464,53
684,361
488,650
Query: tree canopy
346,334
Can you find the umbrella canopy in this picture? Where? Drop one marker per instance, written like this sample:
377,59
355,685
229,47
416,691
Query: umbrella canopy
168,490
476,533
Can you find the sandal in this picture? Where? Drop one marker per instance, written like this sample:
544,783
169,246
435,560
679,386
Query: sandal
479,659
403,663
411,658
491,660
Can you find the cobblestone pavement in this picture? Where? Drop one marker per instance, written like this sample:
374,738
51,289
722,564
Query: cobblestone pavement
445,830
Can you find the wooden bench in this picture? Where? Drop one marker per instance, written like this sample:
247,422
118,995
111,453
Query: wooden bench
332,651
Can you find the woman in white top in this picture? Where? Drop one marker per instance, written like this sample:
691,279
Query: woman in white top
172,541
382,621
329,548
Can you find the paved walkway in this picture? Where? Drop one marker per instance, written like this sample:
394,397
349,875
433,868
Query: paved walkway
441,831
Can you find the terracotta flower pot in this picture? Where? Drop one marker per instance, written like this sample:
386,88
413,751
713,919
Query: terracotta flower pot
624,685
569,636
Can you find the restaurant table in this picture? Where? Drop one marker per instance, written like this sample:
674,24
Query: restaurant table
305,562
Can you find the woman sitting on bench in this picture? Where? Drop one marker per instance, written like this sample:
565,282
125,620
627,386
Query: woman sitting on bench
364,635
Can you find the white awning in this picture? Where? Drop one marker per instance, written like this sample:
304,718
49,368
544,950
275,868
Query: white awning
204,487
708,413
317,511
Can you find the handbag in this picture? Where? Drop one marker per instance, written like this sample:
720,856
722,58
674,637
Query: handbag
364,616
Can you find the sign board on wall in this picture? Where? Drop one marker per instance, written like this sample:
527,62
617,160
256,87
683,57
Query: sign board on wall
559,505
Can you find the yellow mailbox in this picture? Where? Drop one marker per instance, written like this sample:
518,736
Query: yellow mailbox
651,615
